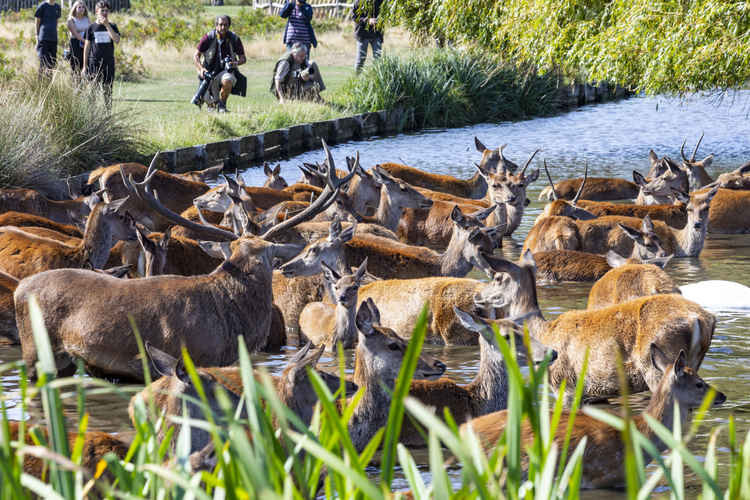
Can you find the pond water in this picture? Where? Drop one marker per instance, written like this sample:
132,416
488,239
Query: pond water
614,139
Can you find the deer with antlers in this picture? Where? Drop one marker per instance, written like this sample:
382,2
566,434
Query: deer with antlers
204,313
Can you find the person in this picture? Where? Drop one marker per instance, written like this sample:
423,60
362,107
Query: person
99,51
215,47
46,16
366,31
78,23
298,14
296,78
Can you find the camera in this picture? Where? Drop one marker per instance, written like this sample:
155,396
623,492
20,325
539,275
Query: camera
306,71
197,99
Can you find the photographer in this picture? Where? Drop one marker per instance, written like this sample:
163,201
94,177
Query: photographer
296,78
222,52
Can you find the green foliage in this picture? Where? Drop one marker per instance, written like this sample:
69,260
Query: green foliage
167,8
54,128
129,67
451,88
654,46
7,68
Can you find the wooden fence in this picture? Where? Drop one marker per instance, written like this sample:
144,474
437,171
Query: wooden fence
17,5
321,8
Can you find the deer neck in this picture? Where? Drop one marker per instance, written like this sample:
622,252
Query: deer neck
372,411
490,386
346,330
514,213
662,407
690,239
97,240
700,176
388,213
525,305
452,261
478,185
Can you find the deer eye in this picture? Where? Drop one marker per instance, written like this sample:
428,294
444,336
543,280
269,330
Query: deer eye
314,250
393,346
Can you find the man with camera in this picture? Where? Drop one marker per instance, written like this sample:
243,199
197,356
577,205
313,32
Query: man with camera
222,52
296,78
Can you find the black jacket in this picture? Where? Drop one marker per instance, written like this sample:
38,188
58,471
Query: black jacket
362,28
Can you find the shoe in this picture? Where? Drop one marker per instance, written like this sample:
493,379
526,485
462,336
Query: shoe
222,108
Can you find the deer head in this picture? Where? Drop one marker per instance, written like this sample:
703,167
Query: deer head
273,177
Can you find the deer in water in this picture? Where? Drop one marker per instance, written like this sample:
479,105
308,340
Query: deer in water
596,189
605,233
29,201
391,259
728,211
326,324
669,321
378,360
674,215
433,227
659,189
488,392
629,279
205,313
603,466
274,180
23,254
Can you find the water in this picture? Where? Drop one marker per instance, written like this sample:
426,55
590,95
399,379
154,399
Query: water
614,139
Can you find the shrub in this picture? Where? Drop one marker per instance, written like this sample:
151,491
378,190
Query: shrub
129,67
451,88
54,128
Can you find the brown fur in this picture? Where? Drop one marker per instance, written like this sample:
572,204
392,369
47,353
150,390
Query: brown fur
596,188
191,214
23,254
433,227
673,215
729,211
570,265
8,329
205,175
32,202
21,219
265,198
303,192
475,187
629,282
456,200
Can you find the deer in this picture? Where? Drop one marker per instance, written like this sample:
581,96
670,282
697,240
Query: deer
206,175
674,215
327,325
628,328
235,299
605,233
736,179
475,187
488,391
628,280
696,170
597,189
433,228
274,180
22,219
71,212
379,354
658,189
391,259
728,211
679,387
23,254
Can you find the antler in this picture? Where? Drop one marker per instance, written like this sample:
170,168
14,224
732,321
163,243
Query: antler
323,201
583,183
528,162
552,184
692,157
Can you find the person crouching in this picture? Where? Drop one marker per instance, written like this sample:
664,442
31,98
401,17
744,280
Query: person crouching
296,78
221,51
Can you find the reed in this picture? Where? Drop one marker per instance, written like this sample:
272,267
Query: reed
264,451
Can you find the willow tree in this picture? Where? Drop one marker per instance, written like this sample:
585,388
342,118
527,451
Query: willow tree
662,46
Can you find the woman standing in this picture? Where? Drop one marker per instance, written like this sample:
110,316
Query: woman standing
78,23
99,50
298,27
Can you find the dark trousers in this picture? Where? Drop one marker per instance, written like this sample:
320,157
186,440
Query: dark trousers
362,43
47,52
76,56
103,72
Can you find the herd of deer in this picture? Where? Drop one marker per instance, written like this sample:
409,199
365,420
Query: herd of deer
197,266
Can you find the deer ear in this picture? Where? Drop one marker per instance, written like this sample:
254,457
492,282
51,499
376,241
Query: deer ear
115,205
659,359
711,194
630,232
639,179
615,260
647,226
680,364
361,270
456,215
528,179
277,170
652,157
143,239
478,144
164,364
364,319
181,372
267,170
331,275
217,250
528,258
348,233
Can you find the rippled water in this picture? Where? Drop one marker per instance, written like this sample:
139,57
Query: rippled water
614,139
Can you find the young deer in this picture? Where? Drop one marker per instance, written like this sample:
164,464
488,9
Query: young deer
325,324
630,279
274,180
603,466
378,360
669,321
488,392
23,254
605,233
433,228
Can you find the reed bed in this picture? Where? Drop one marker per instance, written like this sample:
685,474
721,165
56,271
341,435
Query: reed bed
264,451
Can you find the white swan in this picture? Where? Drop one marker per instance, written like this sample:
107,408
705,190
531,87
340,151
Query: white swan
718,294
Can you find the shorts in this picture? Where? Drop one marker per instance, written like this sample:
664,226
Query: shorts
213,89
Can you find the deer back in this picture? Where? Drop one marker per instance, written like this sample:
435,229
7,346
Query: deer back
628,282
570,265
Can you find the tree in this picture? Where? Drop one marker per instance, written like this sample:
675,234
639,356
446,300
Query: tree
662,46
